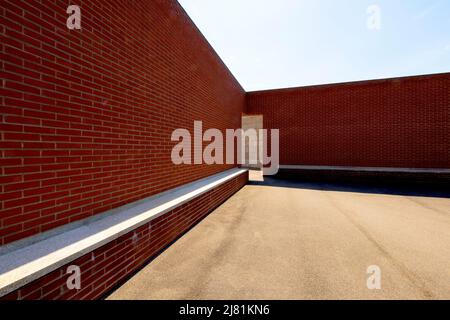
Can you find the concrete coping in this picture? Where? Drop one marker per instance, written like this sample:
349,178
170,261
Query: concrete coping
364,169
31,260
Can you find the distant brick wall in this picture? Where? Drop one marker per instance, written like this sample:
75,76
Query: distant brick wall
402,122
108,265
87,115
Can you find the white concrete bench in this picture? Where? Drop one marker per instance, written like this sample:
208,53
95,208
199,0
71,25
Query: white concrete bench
32,258
363,169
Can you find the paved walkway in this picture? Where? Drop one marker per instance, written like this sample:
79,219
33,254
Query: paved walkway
288,241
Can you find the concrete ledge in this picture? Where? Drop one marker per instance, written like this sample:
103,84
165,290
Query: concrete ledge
30,261
364,169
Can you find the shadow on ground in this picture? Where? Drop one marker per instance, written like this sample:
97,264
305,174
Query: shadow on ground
389,185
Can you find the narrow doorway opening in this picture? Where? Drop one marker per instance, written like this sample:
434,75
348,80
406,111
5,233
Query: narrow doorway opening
251,125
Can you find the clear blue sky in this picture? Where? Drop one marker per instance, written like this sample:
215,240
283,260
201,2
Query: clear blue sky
287,43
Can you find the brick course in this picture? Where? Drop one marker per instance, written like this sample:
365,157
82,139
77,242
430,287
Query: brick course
87,115
403,122
86,119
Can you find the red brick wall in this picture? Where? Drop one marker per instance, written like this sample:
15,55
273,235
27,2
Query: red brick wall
108,265
402,122
87,115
